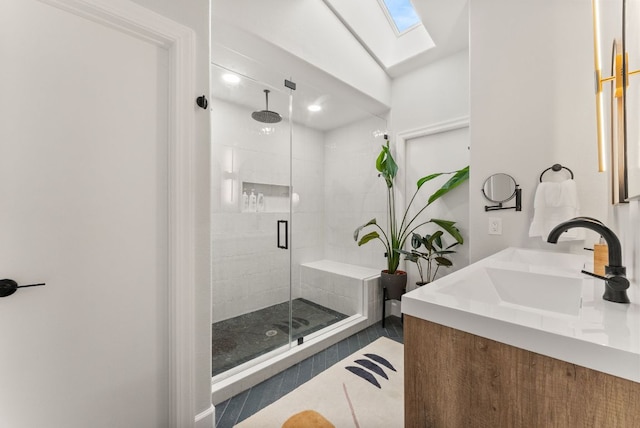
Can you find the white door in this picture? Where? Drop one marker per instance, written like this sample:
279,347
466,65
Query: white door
83,197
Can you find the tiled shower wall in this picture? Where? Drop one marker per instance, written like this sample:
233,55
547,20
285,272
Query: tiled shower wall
354,194
335,181
308,213
249,272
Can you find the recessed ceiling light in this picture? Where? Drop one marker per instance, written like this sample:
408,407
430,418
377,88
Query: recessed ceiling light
231,78
314,107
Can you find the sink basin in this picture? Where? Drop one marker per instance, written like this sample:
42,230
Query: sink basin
519,289
545,262
525,280
535,290
539,301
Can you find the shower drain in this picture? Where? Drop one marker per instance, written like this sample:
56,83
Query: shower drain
271,333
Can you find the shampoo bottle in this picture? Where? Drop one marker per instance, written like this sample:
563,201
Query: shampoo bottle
245,201
260,202
252,201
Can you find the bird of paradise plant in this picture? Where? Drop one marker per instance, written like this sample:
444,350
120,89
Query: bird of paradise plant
395,236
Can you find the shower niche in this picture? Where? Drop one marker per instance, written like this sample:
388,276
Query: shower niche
264,197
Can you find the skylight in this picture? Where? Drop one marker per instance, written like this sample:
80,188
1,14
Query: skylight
401,13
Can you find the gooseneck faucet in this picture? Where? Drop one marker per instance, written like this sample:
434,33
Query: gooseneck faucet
615,280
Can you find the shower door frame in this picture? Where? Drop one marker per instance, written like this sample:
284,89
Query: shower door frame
283,236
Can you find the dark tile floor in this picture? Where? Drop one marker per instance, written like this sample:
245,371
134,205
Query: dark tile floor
242,338
245,404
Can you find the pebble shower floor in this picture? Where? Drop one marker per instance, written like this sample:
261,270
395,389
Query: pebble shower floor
240,339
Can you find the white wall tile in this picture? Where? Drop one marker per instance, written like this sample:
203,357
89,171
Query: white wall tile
333,174
249,269
350,199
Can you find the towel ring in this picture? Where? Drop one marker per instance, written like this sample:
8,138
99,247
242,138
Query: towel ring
556,167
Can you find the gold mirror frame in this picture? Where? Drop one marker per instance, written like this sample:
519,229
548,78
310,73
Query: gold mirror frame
617,129
619,80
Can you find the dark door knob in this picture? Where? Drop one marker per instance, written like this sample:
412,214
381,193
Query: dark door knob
9,286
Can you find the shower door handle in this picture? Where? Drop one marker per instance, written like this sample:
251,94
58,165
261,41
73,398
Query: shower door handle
286,234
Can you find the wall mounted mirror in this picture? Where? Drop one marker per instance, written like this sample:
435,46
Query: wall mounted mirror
500,188
615,24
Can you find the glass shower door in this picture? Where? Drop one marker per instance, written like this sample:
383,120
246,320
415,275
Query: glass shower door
251,220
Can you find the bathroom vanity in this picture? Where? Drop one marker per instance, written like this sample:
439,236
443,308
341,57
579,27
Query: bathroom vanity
521,339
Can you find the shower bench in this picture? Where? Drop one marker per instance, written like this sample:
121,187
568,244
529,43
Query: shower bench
346,288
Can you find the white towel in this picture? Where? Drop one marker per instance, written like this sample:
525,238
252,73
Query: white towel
554,203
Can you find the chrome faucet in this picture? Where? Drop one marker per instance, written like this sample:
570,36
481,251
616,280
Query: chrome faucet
615,280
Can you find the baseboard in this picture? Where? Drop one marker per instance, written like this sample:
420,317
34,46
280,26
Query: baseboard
206,419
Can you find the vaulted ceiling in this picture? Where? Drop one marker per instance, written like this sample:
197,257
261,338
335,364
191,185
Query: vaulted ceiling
343,52
444,31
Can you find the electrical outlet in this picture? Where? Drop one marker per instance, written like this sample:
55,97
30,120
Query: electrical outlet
495,226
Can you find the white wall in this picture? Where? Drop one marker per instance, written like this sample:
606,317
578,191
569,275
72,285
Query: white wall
195,14
427,97
532,105
82,374
436,93
625,219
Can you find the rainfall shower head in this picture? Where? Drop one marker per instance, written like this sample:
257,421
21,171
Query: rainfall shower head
266,115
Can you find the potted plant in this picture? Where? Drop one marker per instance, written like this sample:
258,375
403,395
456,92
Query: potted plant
435,253
397,232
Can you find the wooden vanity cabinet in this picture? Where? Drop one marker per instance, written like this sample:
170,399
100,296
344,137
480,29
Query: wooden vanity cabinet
456,379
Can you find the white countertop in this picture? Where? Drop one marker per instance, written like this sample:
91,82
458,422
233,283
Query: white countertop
601,335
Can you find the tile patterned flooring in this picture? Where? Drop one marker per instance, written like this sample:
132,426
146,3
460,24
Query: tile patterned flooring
242,338
245,404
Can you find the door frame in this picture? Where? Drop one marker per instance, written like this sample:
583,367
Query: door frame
423,131
401,148
179,42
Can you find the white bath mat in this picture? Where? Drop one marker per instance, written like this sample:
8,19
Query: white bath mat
366,389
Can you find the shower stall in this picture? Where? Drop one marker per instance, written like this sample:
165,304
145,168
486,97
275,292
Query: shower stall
289,186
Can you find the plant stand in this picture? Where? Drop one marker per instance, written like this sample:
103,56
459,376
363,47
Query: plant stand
385,297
